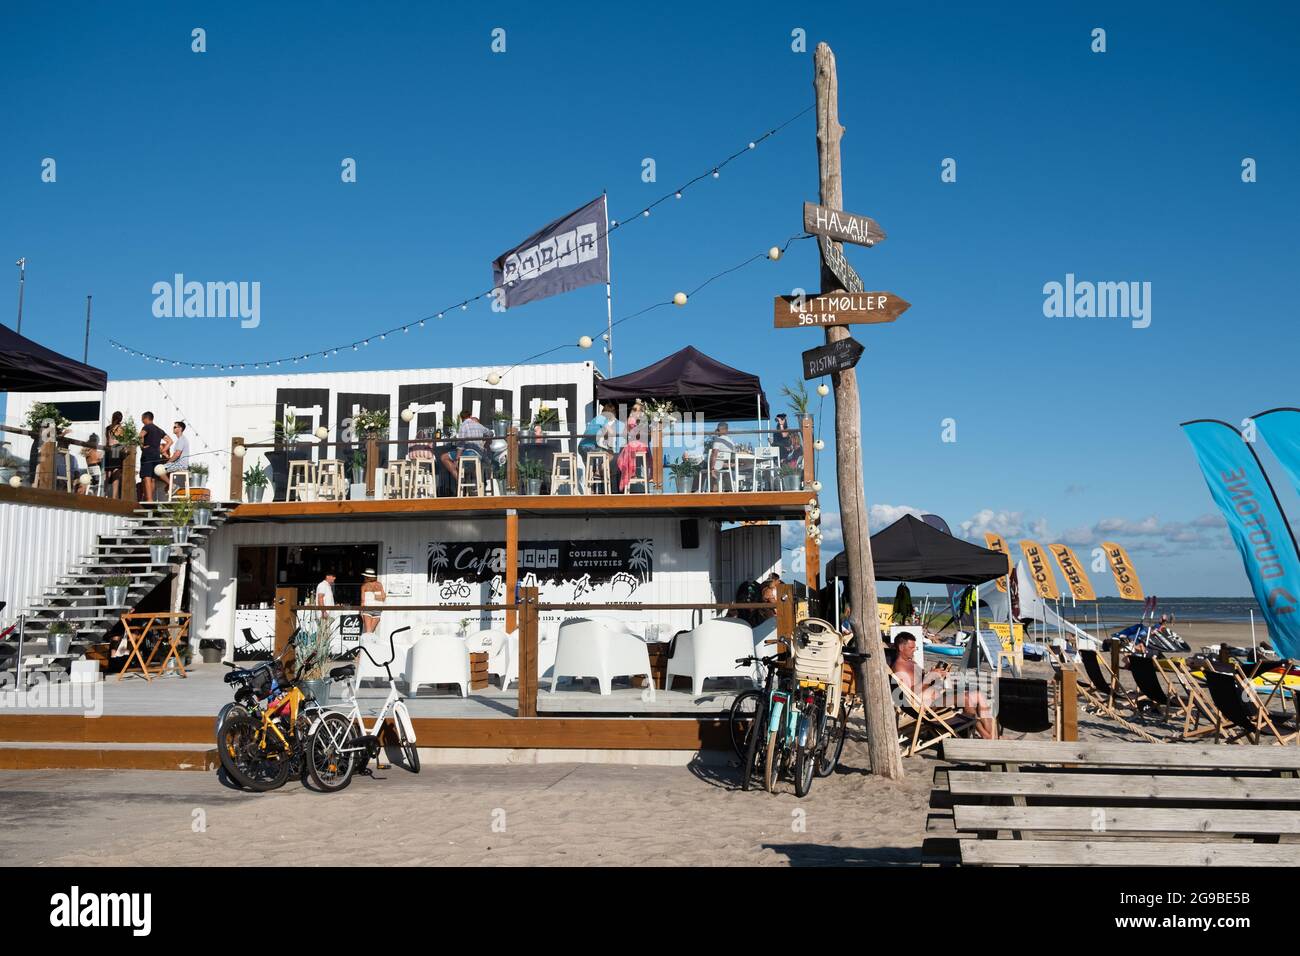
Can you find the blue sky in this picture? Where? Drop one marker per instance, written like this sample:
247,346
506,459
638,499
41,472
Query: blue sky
1122,166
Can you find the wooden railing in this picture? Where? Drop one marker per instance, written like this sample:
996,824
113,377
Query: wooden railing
527,607
47,468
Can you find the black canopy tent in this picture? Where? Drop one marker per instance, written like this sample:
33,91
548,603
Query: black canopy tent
910,550
28,367
695,383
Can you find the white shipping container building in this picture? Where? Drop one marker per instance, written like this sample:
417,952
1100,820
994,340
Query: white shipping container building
422,558
217,409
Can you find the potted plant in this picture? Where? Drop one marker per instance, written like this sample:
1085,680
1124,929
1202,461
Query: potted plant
546,420
115,588
59,637
791,478
357,488
160,550
464,627
255,481
202,512
685,473
212,650
287,449
179,515
198,476
532,473
311,654
44,414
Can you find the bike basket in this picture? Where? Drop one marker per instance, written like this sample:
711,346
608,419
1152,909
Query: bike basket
818,652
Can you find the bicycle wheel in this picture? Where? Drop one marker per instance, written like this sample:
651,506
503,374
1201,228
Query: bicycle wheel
406,738
741,718
772,763
832,743
330,762
239,747
806,756
754,746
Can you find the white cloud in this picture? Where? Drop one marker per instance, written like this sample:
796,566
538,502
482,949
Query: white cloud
882,516
1009,524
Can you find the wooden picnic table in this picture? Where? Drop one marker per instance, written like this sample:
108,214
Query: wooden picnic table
140,625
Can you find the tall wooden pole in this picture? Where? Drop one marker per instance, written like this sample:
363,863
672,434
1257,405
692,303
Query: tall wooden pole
882,736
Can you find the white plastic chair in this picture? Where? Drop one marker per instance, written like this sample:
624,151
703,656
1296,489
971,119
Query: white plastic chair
438,660
711,650
377,644
508,660
589,649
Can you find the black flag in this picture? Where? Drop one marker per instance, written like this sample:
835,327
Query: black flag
567,254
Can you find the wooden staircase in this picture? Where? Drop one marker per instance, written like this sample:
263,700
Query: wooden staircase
78,596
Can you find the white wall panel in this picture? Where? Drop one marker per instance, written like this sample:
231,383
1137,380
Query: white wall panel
39,543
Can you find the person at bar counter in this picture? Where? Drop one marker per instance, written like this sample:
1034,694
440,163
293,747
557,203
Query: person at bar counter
601,434
636,442
116,455
722,453
93,457
151,453
372,595
177,451
930,687
325,592
789,444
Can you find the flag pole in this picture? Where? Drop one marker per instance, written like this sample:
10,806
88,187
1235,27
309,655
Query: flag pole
609,298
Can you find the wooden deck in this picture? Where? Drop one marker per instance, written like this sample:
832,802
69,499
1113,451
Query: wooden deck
735,506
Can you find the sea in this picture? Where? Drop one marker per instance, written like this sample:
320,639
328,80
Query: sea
1226,609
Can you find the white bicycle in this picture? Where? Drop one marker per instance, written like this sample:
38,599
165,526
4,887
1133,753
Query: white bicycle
339,749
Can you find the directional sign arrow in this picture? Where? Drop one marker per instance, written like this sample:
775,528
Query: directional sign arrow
841,225
838,356
837,308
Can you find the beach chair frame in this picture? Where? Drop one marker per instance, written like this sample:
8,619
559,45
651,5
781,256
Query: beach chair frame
1190,710
945,722
1100,698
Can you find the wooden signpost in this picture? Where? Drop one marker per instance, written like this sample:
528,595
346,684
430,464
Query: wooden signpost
839,356
841,225
837,308
833,259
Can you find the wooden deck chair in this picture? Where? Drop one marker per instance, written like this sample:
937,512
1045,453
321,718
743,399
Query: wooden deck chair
1238,703
1024,705
1163,695
1102,693
916,719
1194,692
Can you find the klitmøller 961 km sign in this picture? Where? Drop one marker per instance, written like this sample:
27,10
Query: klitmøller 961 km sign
837,308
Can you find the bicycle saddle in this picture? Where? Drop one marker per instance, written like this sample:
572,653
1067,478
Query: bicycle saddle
343,673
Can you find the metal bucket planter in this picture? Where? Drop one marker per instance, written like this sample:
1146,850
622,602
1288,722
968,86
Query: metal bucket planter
318,689
202,515
181,535
115,596
160,553
252,494
534,486
791,482
357,491
59,644
685,484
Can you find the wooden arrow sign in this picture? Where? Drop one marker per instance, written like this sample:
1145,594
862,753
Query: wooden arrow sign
838,308
833,256
838,356
844,226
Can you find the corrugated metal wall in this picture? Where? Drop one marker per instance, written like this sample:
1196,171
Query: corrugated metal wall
218,407
39,543
680,576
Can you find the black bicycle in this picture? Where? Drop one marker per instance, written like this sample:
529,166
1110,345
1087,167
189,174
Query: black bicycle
748,718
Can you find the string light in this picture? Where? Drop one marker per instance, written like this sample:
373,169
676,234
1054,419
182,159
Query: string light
714,172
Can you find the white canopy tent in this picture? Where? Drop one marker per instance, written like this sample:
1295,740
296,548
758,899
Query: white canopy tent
1032,608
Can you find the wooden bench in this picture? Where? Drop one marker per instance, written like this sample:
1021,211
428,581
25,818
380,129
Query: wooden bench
1025,803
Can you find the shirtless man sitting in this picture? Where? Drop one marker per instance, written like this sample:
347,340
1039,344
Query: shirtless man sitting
931,687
